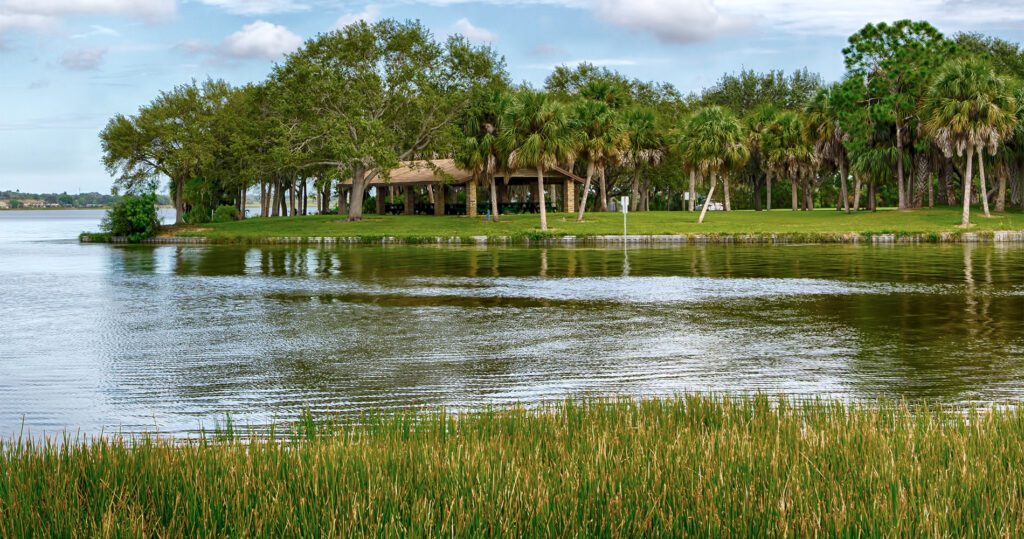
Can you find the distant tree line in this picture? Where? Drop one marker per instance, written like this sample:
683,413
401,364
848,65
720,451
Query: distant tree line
80,200
918,119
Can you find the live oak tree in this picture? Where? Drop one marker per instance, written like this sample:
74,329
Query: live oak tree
172,137
365,97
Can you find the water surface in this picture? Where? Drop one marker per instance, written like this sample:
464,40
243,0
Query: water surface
99,337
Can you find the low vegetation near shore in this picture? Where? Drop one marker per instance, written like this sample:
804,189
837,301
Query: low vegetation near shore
695,465
799,224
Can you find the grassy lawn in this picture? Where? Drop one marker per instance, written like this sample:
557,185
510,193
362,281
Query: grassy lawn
825,221
704,466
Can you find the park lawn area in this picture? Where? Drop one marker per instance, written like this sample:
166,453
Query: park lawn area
818,222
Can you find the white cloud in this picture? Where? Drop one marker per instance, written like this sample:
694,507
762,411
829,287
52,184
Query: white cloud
474,33
83,59
370,13
97,30
261,39
49,15
257,7
675,21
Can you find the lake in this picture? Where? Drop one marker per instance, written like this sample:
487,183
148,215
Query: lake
172,338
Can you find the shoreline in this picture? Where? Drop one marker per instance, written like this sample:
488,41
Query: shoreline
853,238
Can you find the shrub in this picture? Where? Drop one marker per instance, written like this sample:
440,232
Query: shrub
224,214
133,217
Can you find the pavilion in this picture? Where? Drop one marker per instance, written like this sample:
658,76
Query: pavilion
434,186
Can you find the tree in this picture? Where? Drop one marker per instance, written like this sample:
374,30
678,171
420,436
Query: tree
481,152
748,90
824,129
896,61
787,152
969,108
365,97
171,136
602,140
537,135
643,148
717,145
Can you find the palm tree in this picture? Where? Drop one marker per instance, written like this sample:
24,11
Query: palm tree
537,135
969,108
758,122
602,140
787,152
683,147
481,153
644,148
823,129
615,96
717,144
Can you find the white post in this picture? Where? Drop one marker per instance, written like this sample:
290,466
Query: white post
625,210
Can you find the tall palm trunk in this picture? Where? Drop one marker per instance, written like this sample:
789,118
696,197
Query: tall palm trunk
843,173
540,198
725,192
856,192
634,201
984,188
900,183
707,201
586,191
1001,174
693,190
965,216
768,188
494,198
792,188
603,186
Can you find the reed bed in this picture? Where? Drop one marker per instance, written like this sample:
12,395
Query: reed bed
694,465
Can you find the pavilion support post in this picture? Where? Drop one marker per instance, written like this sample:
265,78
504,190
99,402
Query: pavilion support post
380,200
503,197
534,194
471,191
553,194
570,196
410,200
439,199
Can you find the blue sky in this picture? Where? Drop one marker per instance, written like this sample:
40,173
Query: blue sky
68,65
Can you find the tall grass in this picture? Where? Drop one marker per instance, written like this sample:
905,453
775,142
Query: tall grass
695,465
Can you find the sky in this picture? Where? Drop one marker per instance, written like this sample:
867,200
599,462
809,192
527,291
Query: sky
66,66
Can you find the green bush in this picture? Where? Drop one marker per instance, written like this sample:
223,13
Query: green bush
225,214
134,217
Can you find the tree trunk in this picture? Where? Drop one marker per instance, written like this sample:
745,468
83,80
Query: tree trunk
494,198
292,196
645,196
856,192
244,193
872,197
634,202
693,190
263,198
768,195
540,199
844,172
586,191
899,166
707,202
725,192
1001,173
179,204
931,191
471,192
758,187
603,186
355,206
439,199
984,187
965,216
792,188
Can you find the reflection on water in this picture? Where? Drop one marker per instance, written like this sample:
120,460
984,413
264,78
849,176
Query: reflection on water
141,337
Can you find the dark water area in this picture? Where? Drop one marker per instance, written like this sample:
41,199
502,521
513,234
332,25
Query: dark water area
172,338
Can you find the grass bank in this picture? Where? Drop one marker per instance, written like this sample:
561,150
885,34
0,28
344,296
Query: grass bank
689,466
799,225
